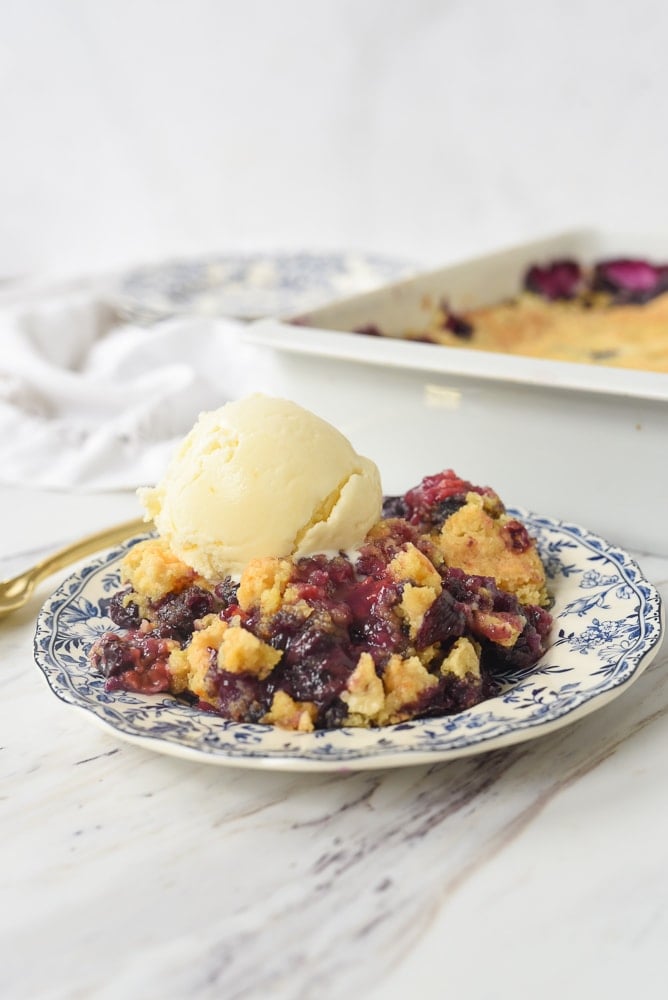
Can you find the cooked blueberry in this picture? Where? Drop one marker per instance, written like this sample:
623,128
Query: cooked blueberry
135,662
123,612
111,656
445,620
394,507
529,647
444,509
452,694
179,612
240,697
226,592
319,677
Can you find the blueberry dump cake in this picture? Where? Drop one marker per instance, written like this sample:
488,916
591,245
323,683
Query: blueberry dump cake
444,592
613,313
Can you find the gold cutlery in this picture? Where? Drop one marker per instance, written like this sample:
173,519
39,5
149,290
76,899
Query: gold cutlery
16,592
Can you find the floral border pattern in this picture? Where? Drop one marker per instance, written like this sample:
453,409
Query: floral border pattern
608,626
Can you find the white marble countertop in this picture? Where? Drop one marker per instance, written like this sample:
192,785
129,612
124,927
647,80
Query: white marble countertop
536,870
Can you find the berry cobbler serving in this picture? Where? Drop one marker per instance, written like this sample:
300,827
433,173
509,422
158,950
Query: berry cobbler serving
442,593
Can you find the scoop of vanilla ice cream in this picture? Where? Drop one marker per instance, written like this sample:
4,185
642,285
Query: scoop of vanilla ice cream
262,477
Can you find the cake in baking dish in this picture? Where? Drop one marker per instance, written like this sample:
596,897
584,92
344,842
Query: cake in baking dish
613,313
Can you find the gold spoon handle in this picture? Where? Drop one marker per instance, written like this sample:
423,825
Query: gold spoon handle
85,547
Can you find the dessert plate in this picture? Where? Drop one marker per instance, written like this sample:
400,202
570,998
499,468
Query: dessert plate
607,629
249,286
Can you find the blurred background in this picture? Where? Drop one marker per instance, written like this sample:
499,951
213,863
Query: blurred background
425,129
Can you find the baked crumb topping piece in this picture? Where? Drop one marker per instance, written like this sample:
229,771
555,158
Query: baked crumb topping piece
481,539
445,594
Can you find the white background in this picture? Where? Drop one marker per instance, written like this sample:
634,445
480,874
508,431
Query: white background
428,129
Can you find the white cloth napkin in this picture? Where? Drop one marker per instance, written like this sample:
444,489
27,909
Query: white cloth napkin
88,402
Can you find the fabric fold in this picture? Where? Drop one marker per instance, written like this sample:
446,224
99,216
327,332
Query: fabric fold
88,402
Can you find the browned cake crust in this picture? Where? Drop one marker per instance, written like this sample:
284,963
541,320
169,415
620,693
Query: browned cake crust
620,336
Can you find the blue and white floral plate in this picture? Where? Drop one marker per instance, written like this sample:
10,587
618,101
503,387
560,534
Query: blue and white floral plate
250,286
608,625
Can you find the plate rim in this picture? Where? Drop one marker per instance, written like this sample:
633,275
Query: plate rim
132,293
516,731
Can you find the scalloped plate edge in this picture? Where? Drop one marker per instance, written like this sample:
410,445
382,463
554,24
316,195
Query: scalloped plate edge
377,758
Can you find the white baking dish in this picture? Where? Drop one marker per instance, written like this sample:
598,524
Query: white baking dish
585,443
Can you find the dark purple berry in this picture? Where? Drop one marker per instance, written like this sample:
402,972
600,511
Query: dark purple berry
177,613
135,662
559,280
226,592
394,507
630,280
456,324
445,620
122,612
